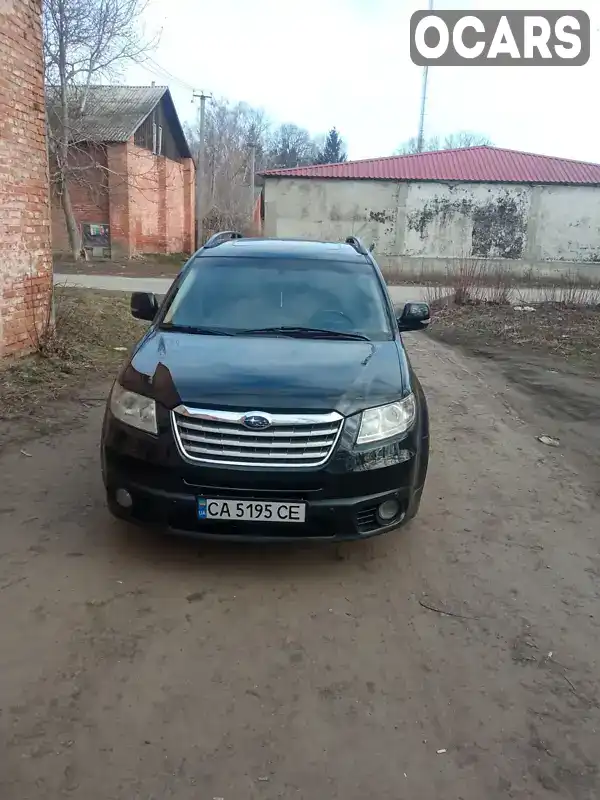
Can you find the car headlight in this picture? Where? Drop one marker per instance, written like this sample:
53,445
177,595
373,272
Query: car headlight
384,422
133,409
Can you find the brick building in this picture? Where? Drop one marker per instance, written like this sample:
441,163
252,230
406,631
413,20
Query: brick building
131,176
25,259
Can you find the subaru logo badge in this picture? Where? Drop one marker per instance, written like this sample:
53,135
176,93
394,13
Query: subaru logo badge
256,421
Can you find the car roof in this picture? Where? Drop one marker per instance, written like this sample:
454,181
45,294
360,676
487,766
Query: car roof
292,248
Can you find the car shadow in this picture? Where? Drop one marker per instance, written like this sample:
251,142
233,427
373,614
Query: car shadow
271,561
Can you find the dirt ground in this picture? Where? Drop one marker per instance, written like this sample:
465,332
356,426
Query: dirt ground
456,659
550,355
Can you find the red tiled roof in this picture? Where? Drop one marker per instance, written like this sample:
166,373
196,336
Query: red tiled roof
481,164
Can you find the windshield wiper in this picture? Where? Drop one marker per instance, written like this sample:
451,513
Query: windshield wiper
199,329
309,333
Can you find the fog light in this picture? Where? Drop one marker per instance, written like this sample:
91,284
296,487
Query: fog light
123,498
388,510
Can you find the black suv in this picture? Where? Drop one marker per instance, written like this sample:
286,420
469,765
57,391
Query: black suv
270,399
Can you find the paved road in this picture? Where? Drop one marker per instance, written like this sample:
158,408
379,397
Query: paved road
114,283
118,283
138,667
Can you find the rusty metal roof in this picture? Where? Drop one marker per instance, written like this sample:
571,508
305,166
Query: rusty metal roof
482,164
111,113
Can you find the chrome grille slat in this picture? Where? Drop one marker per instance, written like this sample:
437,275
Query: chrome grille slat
237,430
246,454
251,444
218,437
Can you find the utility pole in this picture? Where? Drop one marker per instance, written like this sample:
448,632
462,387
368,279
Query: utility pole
420,138
200,167
252,171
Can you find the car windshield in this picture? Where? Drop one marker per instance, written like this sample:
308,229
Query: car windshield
241,295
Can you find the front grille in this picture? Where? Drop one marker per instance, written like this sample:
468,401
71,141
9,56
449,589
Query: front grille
220,437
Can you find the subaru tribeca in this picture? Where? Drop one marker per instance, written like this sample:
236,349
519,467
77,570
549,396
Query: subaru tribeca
271,398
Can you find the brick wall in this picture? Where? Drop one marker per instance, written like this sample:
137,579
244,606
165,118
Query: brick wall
189,206
118,200
89,194
25,261
161,196
147,200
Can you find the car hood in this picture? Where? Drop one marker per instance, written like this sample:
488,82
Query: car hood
267,373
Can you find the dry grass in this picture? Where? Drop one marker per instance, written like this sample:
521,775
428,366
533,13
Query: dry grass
80,350
437,295
470,281
568,333
487,276
570,292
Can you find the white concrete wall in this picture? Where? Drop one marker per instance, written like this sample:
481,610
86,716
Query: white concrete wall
332,210
463,219
425,225
567,224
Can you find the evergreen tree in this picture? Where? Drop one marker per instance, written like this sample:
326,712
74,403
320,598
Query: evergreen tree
333,149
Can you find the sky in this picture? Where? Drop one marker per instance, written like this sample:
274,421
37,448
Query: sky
346,63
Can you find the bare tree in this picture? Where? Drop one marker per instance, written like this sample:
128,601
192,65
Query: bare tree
451,142
232,131
84,41
465,139
411,146
291,146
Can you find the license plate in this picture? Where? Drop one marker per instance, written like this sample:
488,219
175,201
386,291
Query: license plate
250,511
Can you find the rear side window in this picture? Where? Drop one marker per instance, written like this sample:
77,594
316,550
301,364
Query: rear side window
240,293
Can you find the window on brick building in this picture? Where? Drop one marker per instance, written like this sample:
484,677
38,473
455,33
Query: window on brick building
159,151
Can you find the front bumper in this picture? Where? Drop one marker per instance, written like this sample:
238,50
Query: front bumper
339,520
341,498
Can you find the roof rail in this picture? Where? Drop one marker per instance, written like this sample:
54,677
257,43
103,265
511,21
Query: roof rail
356,243
224,236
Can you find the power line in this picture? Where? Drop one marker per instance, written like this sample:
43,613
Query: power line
156,69
154,73
163,79
171,75
200,165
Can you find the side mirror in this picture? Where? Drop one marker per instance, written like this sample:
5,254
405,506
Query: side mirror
144,305
414,317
